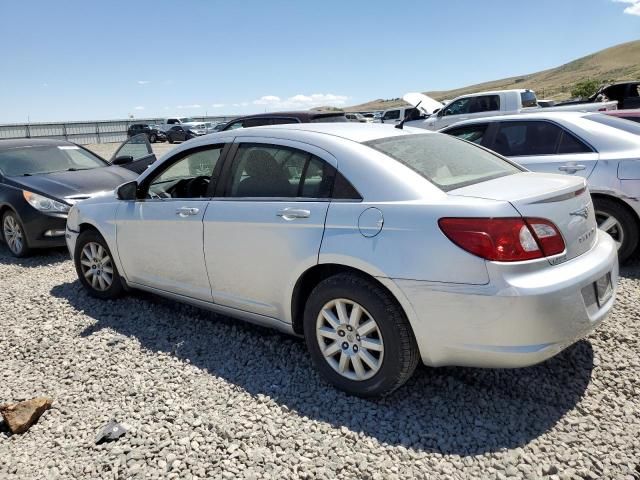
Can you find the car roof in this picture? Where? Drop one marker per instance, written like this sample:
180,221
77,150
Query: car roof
524,116
301,115
31,142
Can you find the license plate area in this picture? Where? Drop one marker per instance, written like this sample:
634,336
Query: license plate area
599,292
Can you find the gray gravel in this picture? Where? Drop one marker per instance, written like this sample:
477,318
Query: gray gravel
204,396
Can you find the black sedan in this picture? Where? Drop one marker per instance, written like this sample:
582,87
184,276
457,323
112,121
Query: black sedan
39,181
153,132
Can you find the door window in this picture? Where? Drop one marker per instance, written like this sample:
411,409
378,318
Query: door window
236,125
471,133
458,107
136,147
391,115
570,144
281,172
188,177
527,138
484,103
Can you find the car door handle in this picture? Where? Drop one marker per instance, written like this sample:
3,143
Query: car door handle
293,213
187,211
571,168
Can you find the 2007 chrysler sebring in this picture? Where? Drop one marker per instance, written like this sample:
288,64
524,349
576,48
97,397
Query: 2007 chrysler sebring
381,246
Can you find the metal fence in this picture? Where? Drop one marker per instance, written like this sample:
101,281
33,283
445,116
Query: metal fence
95,131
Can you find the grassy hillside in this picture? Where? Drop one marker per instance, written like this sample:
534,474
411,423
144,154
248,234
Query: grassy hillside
620,63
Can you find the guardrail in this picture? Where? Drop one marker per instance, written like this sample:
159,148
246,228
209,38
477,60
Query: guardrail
94,131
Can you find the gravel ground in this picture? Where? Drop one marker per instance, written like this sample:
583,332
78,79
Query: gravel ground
205,396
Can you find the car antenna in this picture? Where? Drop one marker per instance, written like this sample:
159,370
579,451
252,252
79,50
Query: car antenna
406,116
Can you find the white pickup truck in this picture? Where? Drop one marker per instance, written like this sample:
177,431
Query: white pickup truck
486,104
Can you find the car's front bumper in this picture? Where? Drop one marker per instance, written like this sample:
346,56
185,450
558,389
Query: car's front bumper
43,230
71,237
523,316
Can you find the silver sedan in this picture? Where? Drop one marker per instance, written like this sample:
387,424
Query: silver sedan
382,247
603,149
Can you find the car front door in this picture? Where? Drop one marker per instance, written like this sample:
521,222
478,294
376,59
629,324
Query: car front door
159,235
391,116
266,229
543,146
135,154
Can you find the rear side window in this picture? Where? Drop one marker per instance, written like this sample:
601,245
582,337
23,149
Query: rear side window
485,103
529,99
260,170
470,133
443,160
570,144
527,138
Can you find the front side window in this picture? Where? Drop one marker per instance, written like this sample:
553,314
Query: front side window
281,172
189,177
527,138
47,159
391,115
471,133
443,160
458,107
236,125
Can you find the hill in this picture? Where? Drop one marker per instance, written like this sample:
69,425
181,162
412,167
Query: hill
619,63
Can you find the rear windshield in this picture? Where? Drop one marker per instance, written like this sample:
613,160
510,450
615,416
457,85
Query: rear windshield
529,99
615,122
445,161
329,119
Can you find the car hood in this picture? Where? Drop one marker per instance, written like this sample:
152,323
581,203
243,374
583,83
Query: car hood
427,104
75,186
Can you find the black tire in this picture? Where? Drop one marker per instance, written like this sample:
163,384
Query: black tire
152,138
116,289
626,222
401,353
19,251
169,139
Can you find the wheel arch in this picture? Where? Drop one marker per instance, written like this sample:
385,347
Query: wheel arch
597,195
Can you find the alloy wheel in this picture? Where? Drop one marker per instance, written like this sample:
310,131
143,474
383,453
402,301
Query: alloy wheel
610,224
349,339
13,234
97,266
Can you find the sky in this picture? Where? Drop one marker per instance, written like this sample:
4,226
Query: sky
83,60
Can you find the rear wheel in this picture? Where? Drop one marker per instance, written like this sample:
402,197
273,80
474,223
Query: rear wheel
618,222
95,267
358,336
14,236
169,139
152,138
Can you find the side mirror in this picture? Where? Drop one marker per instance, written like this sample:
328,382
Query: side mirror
127,191
122,160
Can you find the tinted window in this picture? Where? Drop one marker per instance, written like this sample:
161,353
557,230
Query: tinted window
619,123
256,122
282,121
329,119
274,171
443,160
189,177
48,159
527,138
529,99
485,103
471,133
391,115
235,125
570,144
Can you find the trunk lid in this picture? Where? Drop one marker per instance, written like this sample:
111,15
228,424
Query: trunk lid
564,200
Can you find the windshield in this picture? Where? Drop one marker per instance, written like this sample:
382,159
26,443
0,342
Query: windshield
619,123
47,159
445,161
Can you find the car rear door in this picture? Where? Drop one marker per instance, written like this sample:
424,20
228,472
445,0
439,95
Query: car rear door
544,146
140,151
266,228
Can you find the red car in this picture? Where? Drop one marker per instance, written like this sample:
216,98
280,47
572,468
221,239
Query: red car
633,115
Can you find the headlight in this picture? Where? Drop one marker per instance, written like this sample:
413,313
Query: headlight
44,204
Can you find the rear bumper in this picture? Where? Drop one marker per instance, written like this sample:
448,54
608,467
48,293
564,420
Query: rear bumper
524,315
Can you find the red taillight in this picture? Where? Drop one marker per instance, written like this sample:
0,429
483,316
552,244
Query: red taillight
504,239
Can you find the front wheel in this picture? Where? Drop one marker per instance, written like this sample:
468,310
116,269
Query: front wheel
358,336
614,219
14,236
169,139
152,138
95,266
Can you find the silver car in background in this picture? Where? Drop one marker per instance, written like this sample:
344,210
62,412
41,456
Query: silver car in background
382,247
603,149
